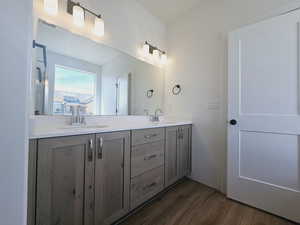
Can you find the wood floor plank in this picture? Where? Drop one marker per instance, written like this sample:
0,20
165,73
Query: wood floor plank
191,203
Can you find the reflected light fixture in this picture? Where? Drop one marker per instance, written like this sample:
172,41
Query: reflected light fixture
51,7
156,54
159,56
164,58
78,15
146,49
99,26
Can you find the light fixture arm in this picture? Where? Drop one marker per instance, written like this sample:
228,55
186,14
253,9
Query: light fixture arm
152,48
71,5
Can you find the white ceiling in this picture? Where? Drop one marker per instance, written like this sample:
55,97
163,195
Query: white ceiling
168,10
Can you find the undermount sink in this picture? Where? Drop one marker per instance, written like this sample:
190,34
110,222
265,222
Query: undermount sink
84,127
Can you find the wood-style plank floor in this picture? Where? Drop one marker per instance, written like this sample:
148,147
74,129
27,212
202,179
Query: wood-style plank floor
190,203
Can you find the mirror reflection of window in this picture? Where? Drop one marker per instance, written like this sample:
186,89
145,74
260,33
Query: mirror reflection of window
74,88
101,79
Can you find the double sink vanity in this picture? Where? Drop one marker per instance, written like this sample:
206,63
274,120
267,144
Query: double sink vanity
98,148
97,174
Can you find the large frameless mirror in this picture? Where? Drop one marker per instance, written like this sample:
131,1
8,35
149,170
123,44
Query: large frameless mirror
71,70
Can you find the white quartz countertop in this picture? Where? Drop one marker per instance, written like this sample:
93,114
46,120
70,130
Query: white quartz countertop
99,127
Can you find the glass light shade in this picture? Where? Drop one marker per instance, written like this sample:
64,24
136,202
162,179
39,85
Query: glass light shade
78,16
51,7
156,54
146,49
164,59
99,27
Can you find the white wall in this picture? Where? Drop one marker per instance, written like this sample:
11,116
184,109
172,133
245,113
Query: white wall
15,39
197,46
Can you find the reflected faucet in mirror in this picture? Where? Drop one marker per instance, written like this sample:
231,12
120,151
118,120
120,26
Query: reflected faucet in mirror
77,119
155,117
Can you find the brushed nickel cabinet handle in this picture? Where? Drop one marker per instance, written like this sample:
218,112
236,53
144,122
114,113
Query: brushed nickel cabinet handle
179,133
100,148
150,136
92,205
150,186
149,157
90,150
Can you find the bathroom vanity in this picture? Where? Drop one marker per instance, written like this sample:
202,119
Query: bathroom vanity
101,176
99,147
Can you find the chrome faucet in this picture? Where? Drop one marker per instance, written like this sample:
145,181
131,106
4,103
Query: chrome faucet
155,117
77,118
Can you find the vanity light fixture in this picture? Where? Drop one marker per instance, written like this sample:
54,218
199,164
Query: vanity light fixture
99,26
51,7
158,55
78,12
146,49
164,58
78,15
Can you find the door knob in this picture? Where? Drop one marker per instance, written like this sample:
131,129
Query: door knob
233,122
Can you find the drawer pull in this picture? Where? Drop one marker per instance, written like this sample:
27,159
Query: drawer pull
150,185
149,157
150,136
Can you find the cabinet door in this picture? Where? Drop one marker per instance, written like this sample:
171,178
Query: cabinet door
185,150
171,156
112,176
65,181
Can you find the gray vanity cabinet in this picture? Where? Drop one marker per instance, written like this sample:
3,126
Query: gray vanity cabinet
65,181
178,153
97,179
112,176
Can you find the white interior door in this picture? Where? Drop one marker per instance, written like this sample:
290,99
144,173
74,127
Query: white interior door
263,146
122,95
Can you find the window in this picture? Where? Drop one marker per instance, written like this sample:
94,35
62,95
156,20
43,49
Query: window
74,87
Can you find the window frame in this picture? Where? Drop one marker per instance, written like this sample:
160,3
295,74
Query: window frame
55,58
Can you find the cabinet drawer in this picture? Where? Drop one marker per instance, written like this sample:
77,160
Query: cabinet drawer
146,186
147,136
146,157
